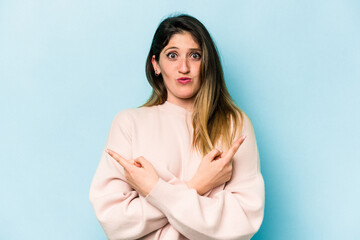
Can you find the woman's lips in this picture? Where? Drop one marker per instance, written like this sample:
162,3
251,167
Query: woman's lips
184,80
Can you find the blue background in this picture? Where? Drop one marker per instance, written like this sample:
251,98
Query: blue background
67,67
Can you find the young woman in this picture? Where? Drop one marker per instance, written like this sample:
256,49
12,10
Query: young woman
185,165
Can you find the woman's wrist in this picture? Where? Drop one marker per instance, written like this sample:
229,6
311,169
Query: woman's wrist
200,189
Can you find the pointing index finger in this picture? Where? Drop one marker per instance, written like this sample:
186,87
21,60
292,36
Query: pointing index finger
122,161
233,149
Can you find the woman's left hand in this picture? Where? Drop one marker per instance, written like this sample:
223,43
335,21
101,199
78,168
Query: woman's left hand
139,173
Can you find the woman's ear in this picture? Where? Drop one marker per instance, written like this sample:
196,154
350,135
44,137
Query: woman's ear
155,65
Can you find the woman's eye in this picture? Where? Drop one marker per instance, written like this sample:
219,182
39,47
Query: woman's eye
171,55
196,55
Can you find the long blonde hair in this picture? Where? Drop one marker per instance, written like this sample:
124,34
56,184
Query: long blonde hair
216,119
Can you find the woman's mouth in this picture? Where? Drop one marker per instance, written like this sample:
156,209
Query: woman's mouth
184,80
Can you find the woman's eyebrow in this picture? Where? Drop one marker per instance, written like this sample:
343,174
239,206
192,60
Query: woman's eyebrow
170,48
191,49
195,49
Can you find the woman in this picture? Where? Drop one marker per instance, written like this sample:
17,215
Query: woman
163,174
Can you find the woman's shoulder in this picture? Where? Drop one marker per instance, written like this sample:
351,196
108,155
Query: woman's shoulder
246,124
243,123
245,118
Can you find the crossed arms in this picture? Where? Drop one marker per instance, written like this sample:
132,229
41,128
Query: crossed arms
131,199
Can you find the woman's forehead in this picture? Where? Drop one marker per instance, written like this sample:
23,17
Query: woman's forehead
182,40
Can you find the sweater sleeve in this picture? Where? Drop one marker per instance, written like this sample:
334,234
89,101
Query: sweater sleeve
122,213
233,212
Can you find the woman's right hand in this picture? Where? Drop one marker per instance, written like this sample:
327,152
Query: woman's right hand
215,169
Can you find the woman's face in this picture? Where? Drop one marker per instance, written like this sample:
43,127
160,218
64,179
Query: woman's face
179,64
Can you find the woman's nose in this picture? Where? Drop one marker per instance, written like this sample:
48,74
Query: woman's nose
184,66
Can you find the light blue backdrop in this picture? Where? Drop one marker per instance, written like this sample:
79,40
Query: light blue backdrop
67,67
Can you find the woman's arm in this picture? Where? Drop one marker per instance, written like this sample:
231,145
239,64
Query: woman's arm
122,213
236,212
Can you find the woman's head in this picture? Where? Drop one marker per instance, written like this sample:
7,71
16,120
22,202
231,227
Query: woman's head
179,65
214,112
210,68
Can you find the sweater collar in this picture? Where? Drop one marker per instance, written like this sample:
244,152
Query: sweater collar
170,107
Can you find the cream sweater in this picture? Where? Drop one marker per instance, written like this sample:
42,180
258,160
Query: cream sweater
163,134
